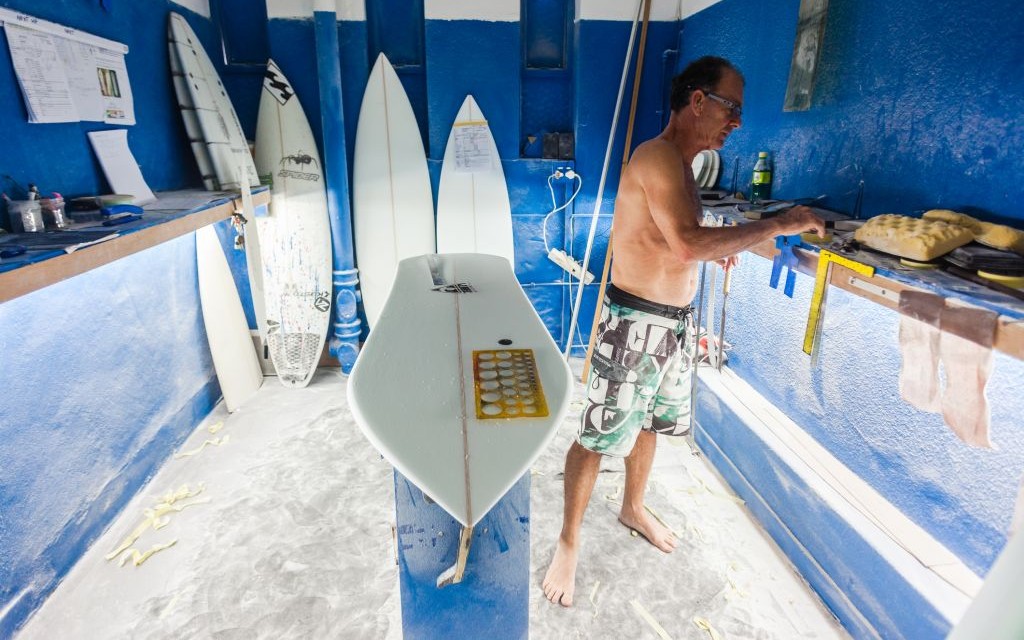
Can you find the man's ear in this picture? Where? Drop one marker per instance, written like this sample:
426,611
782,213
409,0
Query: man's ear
697,101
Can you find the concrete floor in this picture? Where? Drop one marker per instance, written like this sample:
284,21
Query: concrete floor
287,534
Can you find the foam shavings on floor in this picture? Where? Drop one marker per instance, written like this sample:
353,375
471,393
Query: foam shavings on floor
296,542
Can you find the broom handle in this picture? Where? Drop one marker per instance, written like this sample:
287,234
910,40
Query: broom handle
625,159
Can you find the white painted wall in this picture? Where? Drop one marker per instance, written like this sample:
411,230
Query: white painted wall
347,10
489,11
661,10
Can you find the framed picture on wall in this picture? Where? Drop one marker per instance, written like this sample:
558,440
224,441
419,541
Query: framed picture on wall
810,31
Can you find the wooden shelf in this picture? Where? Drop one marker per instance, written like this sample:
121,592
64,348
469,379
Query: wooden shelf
156,226
1009,337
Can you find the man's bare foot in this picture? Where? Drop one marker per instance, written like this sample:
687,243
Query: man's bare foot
560,580
653,531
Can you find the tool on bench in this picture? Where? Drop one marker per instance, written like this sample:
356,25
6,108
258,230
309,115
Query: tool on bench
711,220
822,278
785,258
721,328
690,436
759,212
12,250
120,214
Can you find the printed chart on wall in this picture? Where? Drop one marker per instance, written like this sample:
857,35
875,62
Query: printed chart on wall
473,210
67,75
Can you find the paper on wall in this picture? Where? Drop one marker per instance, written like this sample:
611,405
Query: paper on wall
115,92
77,60
41,76
119,165
472,148
67,75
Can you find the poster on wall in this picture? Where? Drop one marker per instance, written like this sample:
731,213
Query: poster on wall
66,75
810,31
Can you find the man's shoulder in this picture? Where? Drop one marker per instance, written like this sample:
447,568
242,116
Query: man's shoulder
656,151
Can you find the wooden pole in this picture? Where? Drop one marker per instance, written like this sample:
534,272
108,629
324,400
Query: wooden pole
625,159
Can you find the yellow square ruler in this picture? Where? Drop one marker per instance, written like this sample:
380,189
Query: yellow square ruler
822,278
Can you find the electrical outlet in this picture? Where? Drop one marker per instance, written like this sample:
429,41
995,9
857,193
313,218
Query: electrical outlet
560,258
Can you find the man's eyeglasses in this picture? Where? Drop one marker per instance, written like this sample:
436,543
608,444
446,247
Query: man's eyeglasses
735,110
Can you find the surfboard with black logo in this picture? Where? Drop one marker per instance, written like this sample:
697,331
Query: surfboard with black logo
295,237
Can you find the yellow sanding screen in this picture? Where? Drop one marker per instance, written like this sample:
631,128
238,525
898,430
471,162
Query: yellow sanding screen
507,385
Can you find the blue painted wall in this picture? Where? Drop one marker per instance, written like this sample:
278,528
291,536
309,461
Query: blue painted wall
43,153
105,374
926,122
929,120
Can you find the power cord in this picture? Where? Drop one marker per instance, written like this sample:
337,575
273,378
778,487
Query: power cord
557,175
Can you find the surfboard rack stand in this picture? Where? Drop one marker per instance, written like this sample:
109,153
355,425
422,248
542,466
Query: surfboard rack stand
454,573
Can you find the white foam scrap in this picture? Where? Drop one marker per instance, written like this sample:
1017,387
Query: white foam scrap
214,428
156,516
704,625
140,557
215,442
170,606
649,619
614,497
704,489
593,592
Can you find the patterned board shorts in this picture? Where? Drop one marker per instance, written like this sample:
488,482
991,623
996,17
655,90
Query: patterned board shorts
639,376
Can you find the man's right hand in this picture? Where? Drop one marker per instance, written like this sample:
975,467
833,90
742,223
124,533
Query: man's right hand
800,219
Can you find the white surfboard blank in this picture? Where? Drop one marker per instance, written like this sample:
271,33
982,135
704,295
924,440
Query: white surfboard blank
295,237
234,359
217,119
188,114
392,200
473,209
412,389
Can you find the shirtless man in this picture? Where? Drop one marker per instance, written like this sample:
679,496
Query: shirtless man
640,380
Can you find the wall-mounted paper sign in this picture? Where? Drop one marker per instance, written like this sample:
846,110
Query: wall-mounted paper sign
119,165
472,150
67,75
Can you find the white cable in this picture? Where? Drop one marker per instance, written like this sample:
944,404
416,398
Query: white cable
604,176
554,203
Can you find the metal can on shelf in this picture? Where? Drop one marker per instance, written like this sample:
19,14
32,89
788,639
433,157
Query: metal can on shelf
26,216
53,213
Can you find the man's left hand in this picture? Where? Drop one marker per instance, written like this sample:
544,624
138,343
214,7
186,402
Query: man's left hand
728,262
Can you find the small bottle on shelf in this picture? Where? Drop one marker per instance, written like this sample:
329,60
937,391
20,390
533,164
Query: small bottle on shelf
761,185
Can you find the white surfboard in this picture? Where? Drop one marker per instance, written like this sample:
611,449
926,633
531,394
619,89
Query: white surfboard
473,210
413,393
210,117
393,208
238,370
217,119
295,238
188,114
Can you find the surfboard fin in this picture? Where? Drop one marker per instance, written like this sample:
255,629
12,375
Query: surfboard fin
454,573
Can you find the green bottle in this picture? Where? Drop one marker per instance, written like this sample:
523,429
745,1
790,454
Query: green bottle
761,185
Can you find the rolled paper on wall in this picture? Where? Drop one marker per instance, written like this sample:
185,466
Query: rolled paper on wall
965,350
919,348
